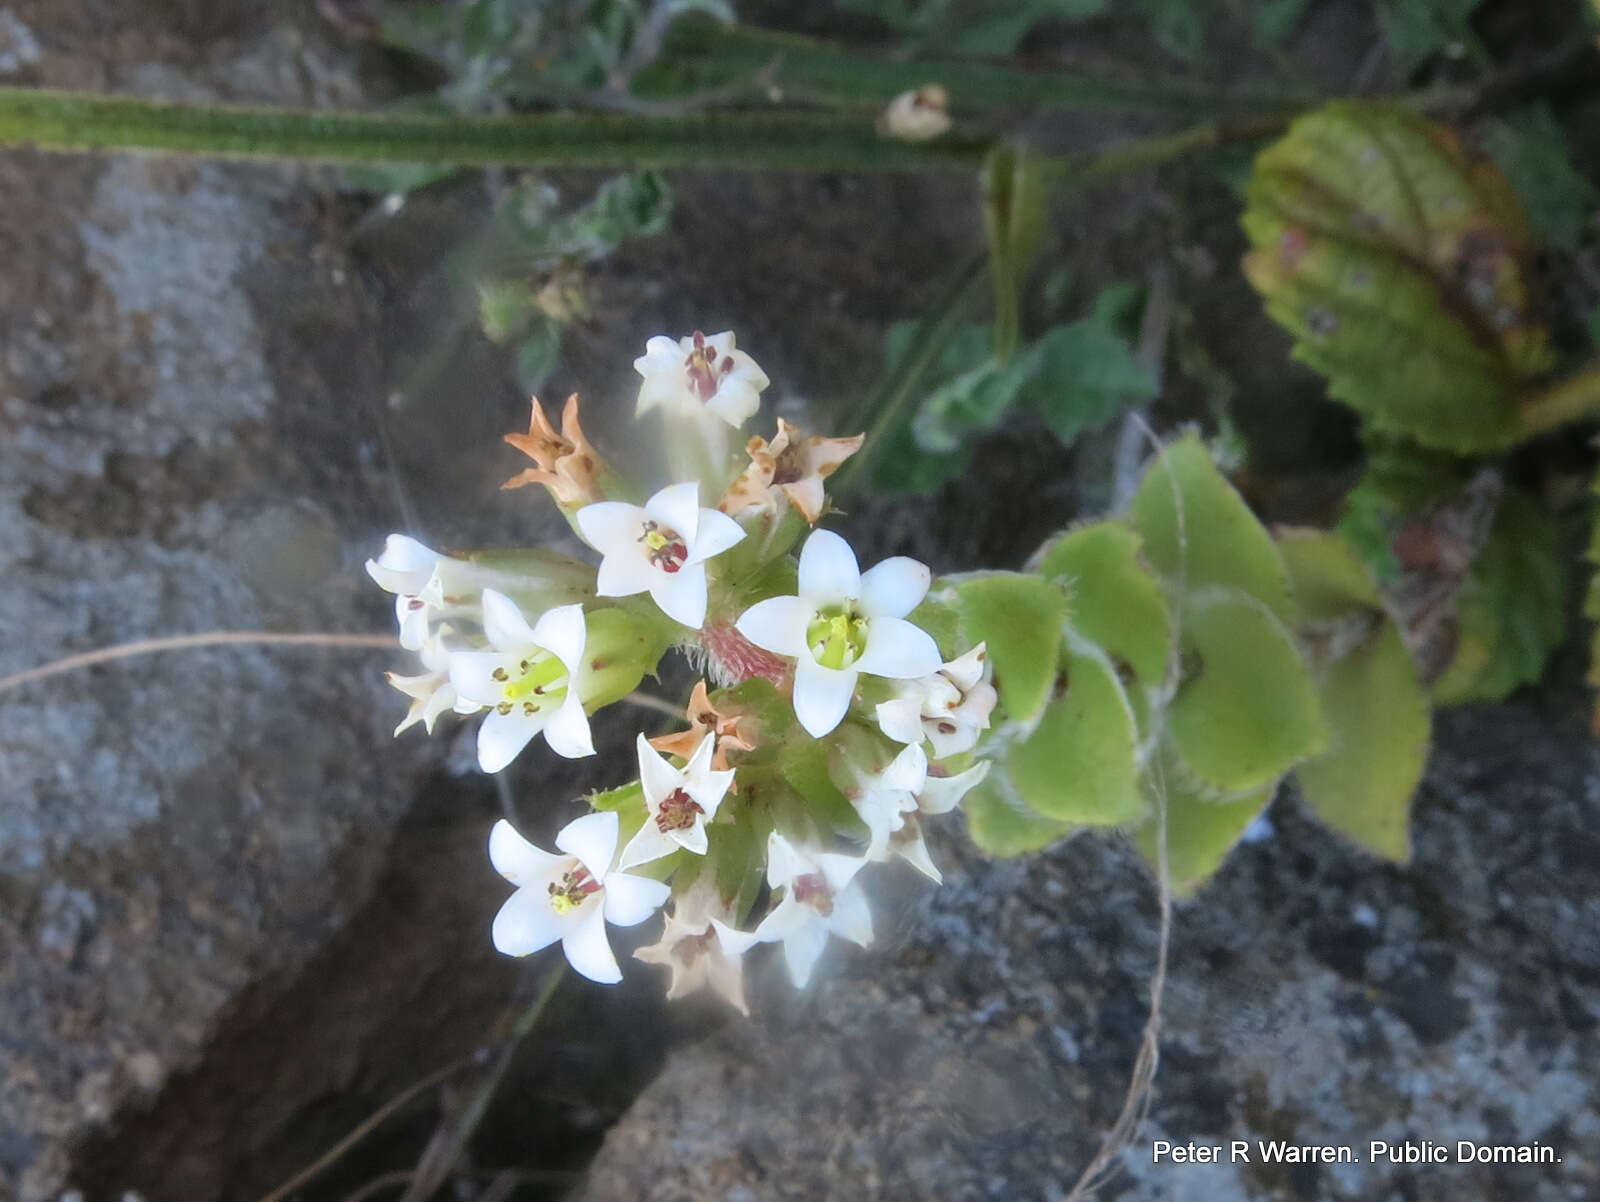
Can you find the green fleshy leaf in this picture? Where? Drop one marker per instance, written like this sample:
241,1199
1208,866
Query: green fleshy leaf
1200,833
1379,716
1223,544
1086,375
1512,610
1020,618
1246,710
1115,600
1081,765
1005,827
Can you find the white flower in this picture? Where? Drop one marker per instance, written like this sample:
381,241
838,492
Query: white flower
699,947
842,623
527,681
430,691
947,708
404,569
700,374
821,897
661,548
569,897
679,803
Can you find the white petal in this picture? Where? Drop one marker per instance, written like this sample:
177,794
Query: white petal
839,870
625,571
717,533
950,742
514,858
681,594
802,948
897,649
907,771
503,623
677,507
589,951
593,839
822,695
567,729
562,632
665,387
472,674
967,670
502,737
943,793
894,587
609,525
828,570
692,838
632,899
735,401
901,720
413,619
647,845
404,566
526,923
734,943
710,789
778,624
699,761
785,862
662,351
851,918
723,343
658,777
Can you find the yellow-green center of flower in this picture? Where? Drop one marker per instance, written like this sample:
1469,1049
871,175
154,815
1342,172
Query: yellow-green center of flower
837,636
567,894
535,682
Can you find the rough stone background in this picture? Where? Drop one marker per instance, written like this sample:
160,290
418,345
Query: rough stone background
235,916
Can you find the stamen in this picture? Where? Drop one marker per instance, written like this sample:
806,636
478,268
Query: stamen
812,890
677,812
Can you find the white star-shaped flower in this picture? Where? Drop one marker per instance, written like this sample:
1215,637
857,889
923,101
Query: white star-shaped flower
898,831
821,897
569,897
946,708
528,682
843,622
679,803
660,548
404,569
700,374
696,945
430,691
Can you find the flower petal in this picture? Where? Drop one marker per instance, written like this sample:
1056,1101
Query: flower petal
914,850
851,919
562,632
609,525
802,949
404,566
829,573
624,572
567,729
593,839
822,695
677,507
681,594
897,649
967,670
785,862
717,533
710,789
734,943
502,737
503,623
632,899
901,720
526,923
894,587
941,794
589,951
908,770
778,624
472,674
658,777
649,844
514,858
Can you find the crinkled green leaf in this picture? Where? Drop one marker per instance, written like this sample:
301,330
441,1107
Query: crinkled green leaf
971,403
1086,374
1080,764
1376,709
1115,602
1402,481
1005,826
1512,611
1246,709
1222,543
1020,617
1200,833
1399,263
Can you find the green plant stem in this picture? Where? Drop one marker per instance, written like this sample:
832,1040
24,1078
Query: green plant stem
705,55
1571,400
83,121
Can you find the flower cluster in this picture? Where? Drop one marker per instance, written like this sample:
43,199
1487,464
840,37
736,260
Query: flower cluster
829,725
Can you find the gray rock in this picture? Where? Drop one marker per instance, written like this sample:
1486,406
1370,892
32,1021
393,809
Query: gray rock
1317,997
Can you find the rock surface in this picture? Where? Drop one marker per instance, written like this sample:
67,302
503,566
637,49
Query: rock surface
1316,997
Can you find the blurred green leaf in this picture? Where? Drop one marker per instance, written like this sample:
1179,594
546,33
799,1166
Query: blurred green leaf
1200,833
1115,600
634,205
1529,146
1013,221
1401,481
1020,617
1415,30
538,355
1177,26
1002,824
1275,21
973,402
1086,375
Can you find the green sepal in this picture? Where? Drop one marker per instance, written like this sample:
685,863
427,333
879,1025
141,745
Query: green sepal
624,799
1379,716
624,643
1245,711
807,769
1221,543
1080,765
1007,827
737,846
1116,601
1019,617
